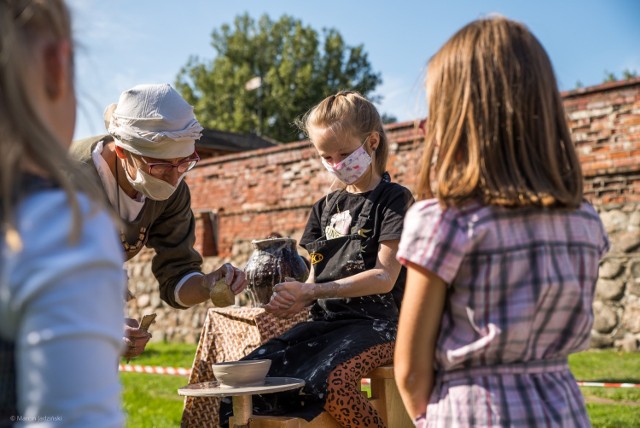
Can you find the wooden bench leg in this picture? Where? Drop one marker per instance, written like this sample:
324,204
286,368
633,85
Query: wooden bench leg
386,399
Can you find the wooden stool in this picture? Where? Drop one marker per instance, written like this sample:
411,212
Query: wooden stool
385,398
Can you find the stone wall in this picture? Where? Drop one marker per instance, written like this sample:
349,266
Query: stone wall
617,304
246,196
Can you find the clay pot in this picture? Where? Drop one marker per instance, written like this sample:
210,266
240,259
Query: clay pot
241,373
271,262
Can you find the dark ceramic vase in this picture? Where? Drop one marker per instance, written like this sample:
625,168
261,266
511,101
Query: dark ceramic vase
271,262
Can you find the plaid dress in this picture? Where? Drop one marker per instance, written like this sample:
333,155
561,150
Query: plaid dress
520,290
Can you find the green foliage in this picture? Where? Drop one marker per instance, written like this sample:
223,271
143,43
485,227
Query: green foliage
298,68
388,118
626,75
609,77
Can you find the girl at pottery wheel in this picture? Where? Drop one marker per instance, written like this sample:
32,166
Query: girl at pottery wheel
355,283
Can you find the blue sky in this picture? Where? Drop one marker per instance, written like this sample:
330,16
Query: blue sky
126,42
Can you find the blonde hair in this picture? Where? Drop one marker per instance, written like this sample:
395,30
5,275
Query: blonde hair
350,113
497,129
22,134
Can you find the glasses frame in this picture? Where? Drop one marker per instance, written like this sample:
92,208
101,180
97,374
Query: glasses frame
193,160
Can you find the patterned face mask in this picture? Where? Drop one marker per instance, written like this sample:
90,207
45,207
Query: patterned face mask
351,168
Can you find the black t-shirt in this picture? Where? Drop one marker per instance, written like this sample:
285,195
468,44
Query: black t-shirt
387,214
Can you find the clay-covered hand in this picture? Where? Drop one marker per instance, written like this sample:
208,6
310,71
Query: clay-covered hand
289,298
222,280
135,338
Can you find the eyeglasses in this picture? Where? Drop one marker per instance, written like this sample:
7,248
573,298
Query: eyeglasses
160,169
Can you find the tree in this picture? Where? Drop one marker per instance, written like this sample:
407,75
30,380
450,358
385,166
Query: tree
627,74
295,66
609,77
388,118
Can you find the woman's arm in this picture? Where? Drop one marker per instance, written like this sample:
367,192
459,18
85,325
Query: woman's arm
418,329
312,275
291,297
378,280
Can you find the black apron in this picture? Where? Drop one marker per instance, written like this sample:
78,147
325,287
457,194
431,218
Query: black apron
340,328
341,257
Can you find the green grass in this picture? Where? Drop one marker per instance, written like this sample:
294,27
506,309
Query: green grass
609,407
152,401
606,365
166,355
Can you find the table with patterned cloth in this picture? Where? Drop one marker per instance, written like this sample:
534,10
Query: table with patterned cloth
228,334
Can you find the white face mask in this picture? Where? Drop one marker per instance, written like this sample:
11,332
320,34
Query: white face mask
351,168
152,187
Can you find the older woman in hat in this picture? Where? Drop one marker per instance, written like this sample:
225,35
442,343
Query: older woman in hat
141,163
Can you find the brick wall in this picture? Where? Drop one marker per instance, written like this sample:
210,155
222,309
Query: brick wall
267,190
272,189
605,125
246,196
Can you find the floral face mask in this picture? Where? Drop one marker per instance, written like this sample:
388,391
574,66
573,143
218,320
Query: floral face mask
351,168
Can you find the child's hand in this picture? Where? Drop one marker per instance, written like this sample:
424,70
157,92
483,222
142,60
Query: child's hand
288,298
420,421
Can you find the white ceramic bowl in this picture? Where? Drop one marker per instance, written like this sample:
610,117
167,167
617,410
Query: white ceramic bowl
241,373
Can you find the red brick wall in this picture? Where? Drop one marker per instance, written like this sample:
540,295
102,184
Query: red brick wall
605,124
262,191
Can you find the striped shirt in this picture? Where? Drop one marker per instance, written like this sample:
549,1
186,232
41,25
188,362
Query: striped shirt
520,289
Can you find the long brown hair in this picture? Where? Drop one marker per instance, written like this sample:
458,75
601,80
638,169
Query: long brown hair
23,135
497,129
351,113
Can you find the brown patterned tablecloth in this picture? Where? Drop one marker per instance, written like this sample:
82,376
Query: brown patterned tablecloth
228,334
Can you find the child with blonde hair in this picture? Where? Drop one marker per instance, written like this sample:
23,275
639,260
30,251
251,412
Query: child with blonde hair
502,252
355,284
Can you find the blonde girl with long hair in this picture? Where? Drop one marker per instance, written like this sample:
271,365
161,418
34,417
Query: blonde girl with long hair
355,285
61,280
502,251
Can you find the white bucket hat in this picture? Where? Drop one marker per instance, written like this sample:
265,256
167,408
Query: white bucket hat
153,120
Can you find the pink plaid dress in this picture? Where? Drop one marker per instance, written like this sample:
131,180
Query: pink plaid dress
520,289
